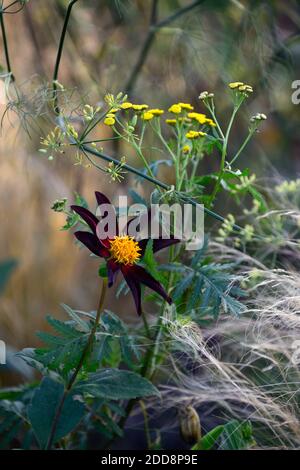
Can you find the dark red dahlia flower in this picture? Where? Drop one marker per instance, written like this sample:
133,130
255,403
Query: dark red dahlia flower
122,253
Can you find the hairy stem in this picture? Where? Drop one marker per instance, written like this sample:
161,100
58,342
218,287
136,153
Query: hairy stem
83,356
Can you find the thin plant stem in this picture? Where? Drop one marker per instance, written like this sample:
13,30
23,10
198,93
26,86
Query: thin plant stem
59,54
242,147
5,44
146,424
223,157
85,352
144,50
154,27
152,180
10,5
150,355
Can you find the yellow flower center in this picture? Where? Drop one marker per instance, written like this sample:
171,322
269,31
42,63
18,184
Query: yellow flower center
125,250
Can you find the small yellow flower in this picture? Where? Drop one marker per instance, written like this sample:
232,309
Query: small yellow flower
140,107
126,105
201,118
175,108
240,86
195,134
246,88
109,121
186,149
110,115
210,122
156,111
114,110
147,116
187,106
234,85
171,122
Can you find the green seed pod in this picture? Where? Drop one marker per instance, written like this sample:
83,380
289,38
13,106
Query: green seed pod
189,423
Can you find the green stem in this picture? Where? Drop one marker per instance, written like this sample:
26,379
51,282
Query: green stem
223,157
146,424
5,44
59,54
152,180
85,352
242,147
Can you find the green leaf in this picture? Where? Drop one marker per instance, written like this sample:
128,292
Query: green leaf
210,439
151,263
116,384
237,435
43,408
234,435
81,323
6,269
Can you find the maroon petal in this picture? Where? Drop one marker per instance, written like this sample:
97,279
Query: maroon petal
158,244
92,243
140,275
112,270
87,216
135,288
101,198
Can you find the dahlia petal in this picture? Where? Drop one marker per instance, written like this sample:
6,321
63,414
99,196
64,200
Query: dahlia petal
140,275
135,288
101,198
112,270
87,216
92,243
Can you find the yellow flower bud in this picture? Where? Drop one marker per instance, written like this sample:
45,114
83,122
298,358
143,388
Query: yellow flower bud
175,108
109,121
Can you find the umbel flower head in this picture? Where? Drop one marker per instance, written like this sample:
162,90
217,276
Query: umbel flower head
122,253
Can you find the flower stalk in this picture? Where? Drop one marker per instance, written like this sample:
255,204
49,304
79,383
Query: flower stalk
78,368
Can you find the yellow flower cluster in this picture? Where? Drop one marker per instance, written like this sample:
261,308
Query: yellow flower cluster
195,134
240,86
177,108
151,113
135,107
201,119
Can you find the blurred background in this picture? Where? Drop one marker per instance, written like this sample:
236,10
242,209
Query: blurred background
112,47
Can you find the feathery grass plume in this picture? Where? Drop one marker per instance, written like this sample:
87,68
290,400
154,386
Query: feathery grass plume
246,369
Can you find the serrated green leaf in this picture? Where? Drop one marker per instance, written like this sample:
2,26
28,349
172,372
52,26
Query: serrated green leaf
81,323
